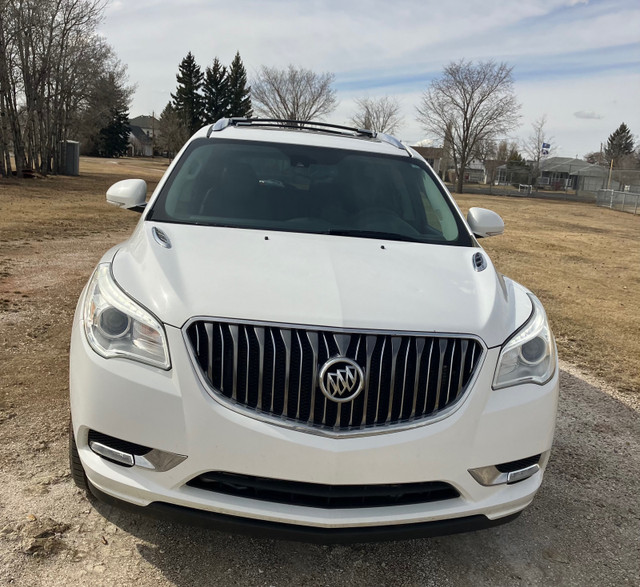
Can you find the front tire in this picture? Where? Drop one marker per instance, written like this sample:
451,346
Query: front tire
75,466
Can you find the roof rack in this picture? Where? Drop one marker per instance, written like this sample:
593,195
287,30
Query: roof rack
336,129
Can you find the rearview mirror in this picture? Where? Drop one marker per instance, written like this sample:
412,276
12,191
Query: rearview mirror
128,193
484,222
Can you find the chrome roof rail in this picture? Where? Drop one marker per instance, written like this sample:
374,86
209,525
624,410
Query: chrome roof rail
392,141
307,125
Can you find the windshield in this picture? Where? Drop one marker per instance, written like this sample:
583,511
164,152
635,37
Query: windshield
272,186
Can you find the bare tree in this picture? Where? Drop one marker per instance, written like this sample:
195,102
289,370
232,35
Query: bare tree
50,57
487,152
596,158
379,114
172,133
470,103
293,93
534,147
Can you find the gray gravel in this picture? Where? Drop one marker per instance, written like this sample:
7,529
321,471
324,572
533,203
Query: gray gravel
582,529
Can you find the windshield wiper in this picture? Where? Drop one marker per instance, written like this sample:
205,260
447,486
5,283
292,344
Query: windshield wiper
373,234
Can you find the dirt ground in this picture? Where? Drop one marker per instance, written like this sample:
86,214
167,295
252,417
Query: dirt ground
582,529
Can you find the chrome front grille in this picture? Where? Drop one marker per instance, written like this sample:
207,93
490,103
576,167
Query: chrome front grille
274,370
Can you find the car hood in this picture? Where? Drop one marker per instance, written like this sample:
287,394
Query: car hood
318,280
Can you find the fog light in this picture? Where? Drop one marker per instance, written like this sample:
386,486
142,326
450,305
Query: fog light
129,454
111,454
511,472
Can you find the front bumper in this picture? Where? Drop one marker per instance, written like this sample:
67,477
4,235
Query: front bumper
277,531
170,411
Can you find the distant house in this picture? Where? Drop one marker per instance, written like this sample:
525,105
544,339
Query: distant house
140,144
591,179
475,172
560,173
433,155
143,132
148,124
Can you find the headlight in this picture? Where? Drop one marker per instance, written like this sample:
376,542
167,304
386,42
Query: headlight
530,355
116,326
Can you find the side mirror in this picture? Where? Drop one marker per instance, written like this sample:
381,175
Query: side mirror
484,222
128,193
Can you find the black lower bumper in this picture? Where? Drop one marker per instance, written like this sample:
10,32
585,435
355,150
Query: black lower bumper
280,531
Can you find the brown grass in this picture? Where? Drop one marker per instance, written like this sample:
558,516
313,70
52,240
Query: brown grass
584,264
582,261
57,206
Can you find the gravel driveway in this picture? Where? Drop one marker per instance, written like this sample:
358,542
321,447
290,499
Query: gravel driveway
582,529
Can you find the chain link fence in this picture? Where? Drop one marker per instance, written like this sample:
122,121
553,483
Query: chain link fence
622,201
571,179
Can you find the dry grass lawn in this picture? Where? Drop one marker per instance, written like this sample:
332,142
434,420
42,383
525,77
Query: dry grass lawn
584,264
582,261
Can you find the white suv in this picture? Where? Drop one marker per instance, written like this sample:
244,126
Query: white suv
303,337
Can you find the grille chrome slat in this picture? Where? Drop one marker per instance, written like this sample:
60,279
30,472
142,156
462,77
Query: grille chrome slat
426,395
370,343
384,344
299,375
453,354
260,337
286,335
403,394
420,344
274,370
210,350
354,403
464,345
208,328
324,403
313,341
395,349
443,350
233,329
247,365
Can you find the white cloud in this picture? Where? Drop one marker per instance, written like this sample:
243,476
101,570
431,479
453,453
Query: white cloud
588,115
612,95
569,56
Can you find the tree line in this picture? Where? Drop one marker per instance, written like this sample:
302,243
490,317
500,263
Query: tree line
468,108
202,98
291,93
58,80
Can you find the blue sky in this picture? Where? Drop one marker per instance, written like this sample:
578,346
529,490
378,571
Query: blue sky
575,61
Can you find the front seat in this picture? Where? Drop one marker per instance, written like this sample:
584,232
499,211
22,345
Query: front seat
237,195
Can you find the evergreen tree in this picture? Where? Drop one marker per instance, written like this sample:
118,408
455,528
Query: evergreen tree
515,159
239,93
187,100
619,144
216,92
113,139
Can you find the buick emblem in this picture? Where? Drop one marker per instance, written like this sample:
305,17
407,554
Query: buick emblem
341,379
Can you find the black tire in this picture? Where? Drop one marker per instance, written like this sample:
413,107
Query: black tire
75,466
